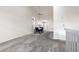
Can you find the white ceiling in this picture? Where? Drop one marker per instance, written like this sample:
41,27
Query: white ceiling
46,11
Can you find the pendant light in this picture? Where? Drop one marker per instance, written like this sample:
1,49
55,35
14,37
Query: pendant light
39,13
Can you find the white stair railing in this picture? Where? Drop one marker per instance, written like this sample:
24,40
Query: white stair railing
72,40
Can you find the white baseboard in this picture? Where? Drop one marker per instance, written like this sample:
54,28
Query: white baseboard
59,36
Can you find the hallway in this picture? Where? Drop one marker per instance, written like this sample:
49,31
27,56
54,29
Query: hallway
18,25
33,43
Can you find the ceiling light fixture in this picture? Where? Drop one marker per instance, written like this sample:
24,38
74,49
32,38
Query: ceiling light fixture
39,14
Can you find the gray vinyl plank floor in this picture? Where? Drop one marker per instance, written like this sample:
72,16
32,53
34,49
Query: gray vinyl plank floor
33,43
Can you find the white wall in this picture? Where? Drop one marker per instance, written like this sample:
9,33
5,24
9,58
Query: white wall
15,22
50,26
69,16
